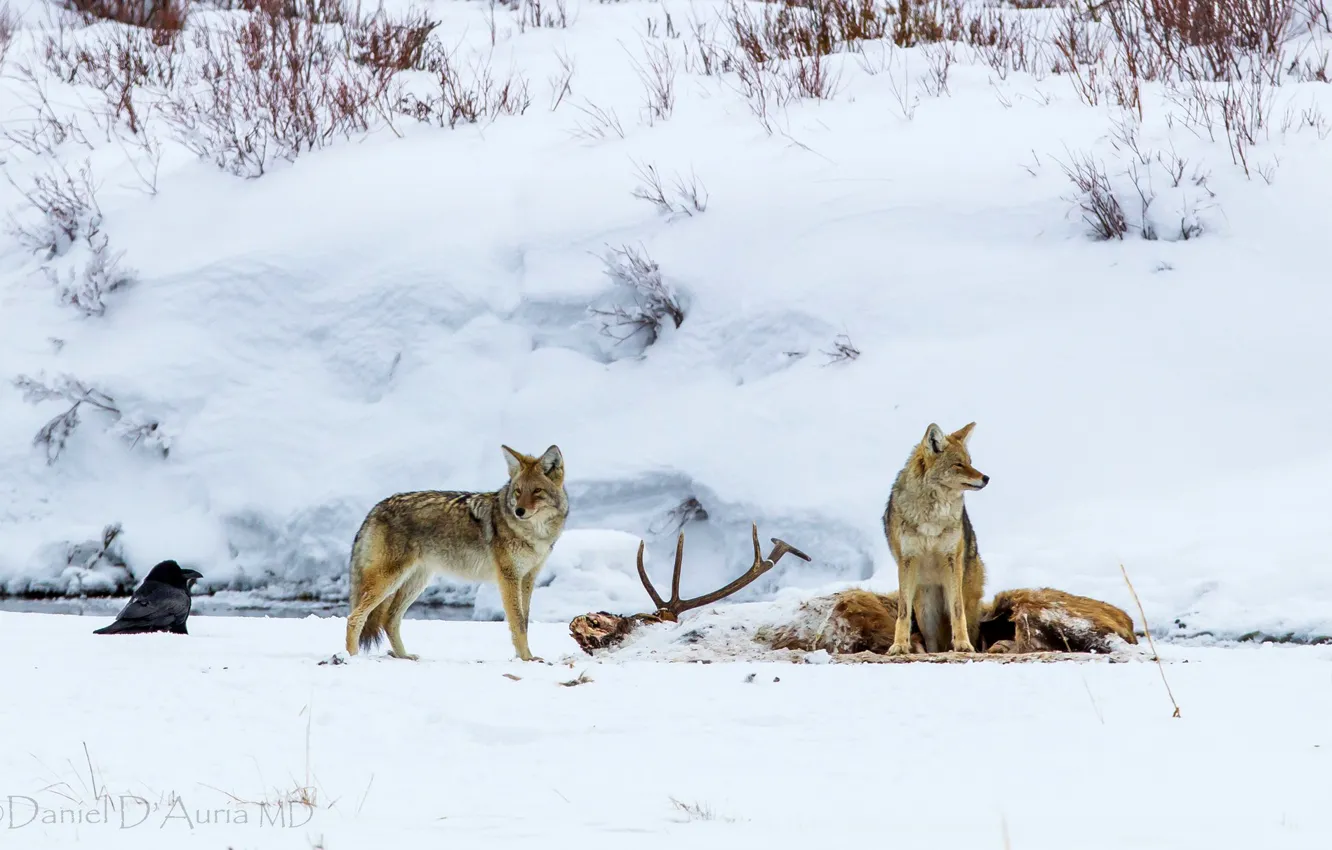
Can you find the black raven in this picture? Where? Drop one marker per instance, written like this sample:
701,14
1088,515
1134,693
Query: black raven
161,604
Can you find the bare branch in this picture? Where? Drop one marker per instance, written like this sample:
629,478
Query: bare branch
54,435
690,196
1096,199
600,123
843,350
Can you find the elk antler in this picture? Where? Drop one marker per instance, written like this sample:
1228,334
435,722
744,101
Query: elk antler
672,609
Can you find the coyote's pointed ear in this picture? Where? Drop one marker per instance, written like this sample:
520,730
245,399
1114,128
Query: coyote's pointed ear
552,463
962,434
513,459
934,439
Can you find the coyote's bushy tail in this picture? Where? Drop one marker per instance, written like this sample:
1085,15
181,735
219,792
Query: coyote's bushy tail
362,555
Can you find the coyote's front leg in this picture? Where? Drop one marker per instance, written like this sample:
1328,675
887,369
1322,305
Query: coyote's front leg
906,597
955,600
511,592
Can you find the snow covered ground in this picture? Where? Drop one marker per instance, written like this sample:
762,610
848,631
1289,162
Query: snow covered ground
382,313
468,748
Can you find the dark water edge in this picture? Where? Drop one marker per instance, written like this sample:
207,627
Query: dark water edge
204,606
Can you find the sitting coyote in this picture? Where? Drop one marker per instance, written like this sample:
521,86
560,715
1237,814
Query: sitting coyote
504,536
940,577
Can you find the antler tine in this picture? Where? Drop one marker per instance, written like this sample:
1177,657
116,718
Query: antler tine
781,547
647,583
675,576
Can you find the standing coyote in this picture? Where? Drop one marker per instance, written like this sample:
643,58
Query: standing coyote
504,536
940,576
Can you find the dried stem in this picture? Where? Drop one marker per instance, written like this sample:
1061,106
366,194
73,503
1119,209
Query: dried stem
1147,629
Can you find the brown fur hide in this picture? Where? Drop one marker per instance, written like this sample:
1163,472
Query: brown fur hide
1047,620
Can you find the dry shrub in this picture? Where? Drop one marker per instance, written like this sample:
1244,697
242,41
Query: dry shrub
653,301
821,27
779,50
8,26
598,123
165,15
66,204
708,56
274,87
1221,28
1212,40
395,45
49,126
657,73
685,197
1095,197
537,15
926,22
122,62
67,233
1080,47
811,77
314,11
85,285
139,57
794,29
466,97
285,77
53,437
1220,61
292,77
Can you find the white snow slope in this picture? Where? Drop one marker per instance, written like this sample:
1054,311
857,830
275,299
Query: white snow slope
173,742
382,313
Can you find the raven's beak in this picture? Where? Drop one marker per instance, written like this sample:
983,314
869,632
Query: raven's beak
191,575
